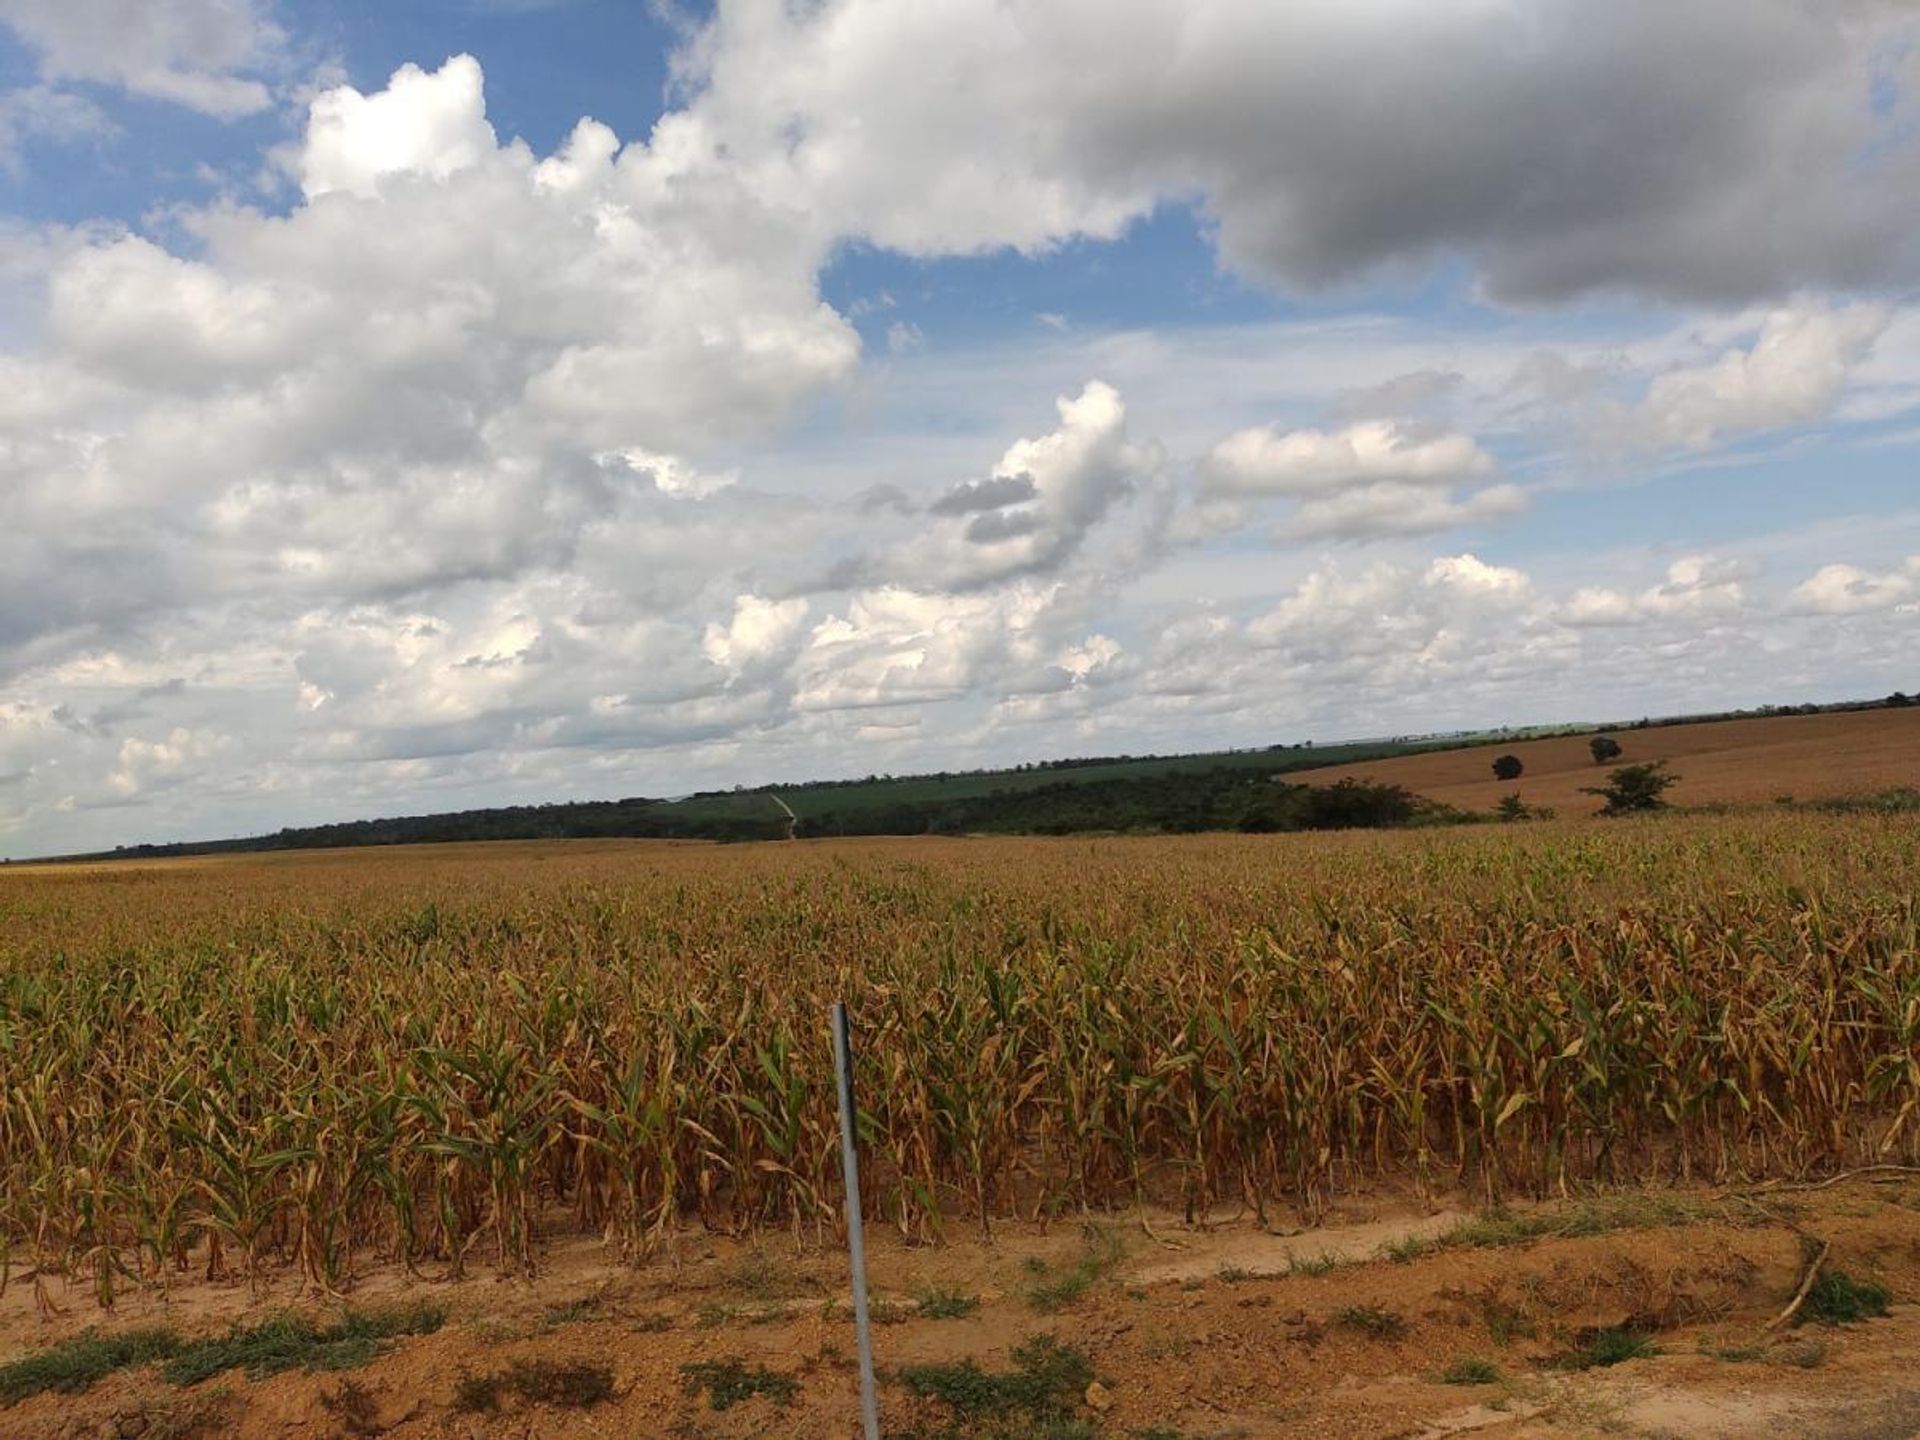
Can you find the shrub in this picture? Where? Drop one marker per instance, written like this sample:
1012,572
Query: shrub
1634,788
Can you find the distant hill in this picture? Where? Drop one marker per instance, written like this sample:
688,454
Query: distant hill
1829,750
1752,760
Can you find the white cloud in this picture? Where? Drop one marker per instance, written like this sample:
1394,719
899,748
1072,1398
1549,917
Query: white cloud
1697,587
421,126
1842,589
760,631
894,646
1038,505
1372,478
672,475
203,54
40,112
1264,461
1716,149
1793,372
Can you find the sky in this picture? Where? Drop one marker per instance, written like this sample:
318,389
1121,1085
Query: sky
411,407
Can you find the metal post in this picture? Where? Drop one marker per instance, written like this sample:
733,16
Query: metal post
850,1169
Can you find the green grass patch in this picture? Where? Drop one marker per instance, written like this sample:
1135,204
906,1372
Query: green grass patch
1806,1354
729,1383
1468,1370
1312,1264
1407,1248
1056,1289
73,1365
298,1342
584,1308
938,1304
1610,1345
1374,1320
1038,1397
1837,1298
538,1382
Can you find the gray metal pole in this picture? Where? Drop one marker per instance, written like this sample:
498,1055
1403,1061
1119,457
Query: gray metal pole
856,1243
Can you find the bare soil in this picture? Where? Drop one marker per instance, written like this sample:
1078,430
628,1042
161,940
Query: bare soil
1222,1331
1728,762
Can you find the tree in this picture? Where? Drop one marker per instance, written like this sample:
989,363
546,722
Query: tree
1899,700
1508,767
1604,748
1634,788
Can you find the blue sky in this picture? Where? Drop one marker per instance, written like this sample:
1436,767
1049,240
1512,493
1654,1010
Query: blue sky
878,389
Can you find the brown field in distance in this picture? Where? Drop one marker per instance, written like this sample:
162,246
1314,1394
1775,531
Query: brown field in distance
1724,762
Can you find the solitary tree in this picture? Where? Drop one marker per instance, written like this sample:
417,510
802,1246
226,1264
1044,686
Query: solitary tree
1508,767
1604,748
1633,788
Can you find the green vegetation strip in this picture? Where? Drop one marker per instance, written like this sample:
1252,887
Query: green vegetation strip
1604,1215
1038,1397
283,1342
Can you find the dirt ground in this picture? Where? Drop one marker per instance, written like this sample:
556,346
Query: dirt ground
1729,762
1226,1331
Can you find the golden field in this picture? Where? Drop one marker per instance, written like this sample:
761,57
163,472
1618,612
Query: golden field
1722,762
440,1055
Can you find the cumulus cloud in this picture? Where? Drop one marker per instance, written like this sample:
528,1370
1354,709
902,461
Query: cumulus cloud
1792,373
1696,586
422,125
1714,150
1842,589
1263,461
203,54
1372,478
408,380
760,631
895,646
1037,507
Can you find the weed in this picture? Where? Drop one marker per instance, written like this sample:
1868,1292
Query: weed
185,1417
1469,1371
1406,1248
728,1383
1733,1354
353,1405
1837,1298
1372,1320
1055,1292
938,1304
538,1382
1312,1264
291,1341
1807,1354
1234,1274
1610,1345
1037,1397
571,1387
76,1364
557,1315
477,1394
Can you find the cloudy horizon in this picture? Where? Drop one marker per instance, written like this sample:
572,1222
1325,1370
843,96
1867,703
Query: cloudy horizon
502,402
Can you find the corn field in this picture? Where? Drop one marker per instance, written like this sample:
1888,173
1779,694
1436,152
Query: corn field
436,1057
